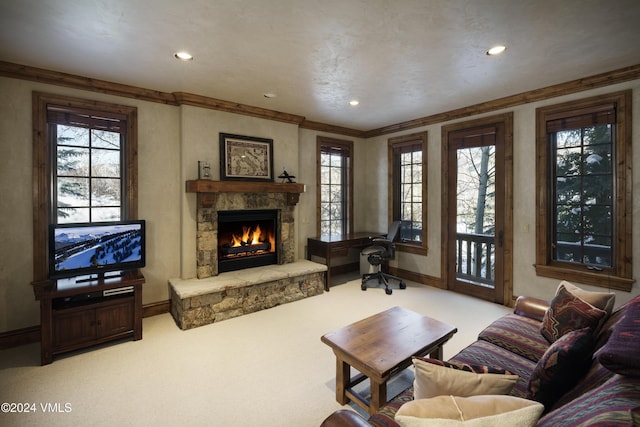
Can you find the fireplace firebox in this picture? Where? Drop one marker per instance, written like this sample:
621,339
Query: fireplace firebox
247,238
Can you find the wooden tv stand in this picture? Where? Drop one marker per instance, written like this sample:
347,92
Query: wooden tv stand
75,314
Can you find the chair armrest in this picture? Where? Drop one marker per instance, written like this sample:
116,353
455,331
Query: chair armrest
345,418
533,308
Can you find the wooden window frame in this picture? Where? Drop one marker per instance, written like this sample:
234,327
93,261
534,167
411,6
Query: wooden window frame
620,276
42,168
323,141
419,248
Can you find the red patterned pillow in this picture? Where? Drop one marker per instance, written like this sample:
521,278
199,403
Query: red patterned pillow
476,369
568,313
621,353
561,366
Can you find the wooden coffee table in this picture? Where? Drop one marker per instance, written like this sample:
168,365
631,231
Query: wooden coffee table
381,346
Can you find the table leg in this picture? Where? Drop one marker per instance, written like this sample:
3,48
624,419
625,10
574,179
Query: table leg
378,395
343,378
436,353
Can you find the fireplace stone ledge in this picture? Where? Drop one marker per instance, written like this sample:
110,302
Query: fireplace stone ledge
198,302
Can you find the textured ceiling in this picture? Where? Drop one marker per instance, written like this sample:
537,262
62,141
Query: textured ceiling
402,59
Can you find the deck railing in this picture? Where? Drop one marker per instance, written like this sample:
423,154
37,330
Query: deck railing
475,258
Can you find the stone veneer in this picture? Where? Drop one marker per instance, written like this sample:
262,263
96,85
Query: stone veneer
207,225
198,302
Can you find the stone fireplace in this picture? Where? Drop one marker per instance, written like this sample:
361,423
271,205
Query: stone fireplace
210,205
217,295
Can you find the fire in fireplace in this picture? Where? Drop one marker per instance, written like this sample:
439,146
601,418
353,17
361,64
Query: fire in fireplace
251,241
247,238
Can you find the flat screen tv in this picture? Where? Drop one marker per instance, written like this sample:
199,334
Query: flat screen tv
95,248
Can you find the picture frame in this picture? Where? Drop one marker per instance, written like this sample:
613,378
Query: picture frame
245,158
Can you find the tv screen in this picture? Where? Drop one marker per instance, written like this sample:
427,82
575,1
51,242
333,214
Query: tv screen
95,248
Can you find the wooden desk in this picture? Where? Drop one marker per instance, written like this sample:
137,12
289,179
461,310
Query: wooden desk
337,246
381,346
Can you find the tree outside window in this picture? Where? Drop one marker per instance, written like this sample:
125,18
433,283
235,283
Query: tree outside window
88,167
583,186
584,179
335,186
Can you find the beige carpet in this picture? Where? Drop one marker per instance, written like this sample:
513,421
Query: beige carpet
264,369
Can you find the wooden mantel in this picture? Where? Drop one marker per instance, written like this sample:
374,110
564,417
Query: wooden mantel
207,186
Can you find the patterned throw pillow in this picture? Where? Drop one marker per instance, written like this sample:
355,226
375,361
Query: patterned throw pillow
602,300
567,313
561,366
621,353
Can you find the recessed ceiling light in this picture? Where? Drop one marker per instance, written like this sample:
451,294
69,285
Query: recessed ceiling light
183,56
496,50
354,102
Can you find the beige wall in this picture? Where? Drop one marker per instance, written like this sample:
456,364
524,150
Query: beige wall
172,140
199,140
159,196
17,306
525,281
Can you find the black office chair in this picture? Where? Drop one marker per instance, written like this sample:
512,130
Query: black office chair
383,249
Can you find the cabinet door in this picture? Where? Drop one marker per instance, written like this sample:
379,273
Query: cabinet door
73,327
115,319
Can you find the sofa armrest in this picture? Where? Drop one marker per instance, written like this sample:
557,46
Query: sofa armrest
533,308
345,418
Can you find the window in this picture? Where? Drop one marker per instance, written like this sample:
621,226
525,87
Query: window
407,163
87,159
584,165
85,166
335,186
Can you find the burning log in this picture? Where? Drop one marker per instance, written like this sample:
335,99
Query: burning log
245,249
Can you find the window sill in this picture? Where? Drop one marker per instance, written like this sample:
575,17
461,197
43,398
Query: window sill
411,248
600,279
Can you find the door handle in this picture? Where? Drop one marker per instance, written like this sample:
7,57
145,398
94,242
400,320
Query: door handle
500,238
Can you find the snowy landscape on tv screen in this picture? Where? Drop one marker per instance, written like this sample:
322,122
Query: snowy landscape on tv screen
95,247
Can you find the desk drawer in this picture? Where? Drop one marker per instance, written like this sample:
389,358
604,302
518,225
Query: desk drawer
339,249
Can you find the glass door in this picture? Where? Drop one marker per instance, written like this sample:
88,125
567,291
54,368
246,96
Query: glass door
475,215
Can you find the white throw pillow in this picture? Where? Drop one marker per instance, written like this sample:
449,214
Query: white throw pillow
474,411
433,380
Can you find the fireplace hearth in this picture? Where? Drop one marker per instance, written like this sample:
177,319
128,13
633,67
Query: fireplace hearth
247,238
213,297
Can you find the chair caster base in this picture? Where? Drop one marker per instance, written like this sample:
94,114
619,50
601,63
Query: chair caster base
382,279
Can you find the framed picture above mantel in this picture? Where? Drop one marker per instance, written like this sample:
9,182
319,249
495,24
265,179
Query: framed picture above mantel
245,158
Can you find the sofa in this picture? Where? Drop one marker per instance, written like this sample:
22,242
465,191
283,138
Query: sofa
595,383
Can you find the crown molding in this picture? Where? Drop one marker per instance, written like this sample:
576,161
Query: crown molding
599,80
324,127
183,98
24,72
